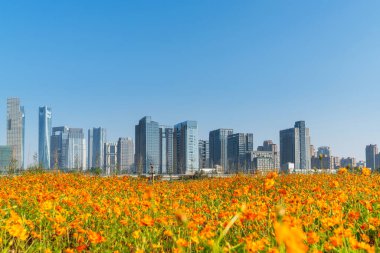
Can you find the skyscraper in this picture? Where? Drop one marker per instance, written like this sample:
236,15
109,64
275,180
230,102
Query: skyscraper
44,135
238,146
185,146
147,145
166,150
125,155
370,153
295,146
218,148
204,154
16,130
96,139
110,158
68,148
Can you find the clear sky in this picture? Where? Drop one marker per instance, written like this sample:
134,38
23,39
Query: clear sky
254,66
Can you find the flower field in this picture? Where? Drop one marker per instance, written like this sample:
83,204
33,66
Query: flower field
56,212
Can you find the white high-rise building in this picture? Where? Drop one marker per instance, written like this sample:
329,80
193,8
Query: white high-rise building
16,130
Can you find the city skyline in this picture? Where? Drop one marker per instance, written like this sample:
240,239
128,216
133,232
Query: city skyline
176,149
250,66
30,160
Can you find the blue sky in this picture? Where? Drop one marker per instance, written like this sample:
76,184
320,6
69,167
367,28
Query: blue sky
255,66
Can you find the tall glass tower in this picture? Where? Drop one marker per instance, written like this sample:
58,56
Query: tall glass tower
147,145
44,135
218,148
16,130
186,147
97,137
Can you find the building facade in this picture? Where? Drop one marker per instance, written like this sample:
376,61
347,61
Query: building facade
68,149
324,151
295,146
204,154
110,158
97,137
349,162
44,135
238,145
185,147
371,151
16,130
218,141
166,150
125,155
261,161
147,146
268,145
6,154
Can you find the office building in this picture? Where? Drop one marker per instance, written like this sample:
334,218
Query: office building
6,154
324,151
349,162
295,146
185,147
125,155
261,161
68,149
96,139
166,150
218,140
147,146
110,158
204,154
323,162
370,153
268,145
16,130
238,145
312,151
44,135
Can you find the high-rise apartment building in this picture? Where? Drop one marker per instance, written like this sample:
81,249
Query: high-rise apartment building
261,161
96,139
125,155
204,154
110,158
185,146
147,145
166,150
16,130
371,151
44,135
218,140
238,145
68,148
295,146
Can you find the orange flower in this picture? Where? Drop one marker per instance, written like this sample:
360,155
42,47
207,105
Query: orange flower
366,172
95,238
182,242
268,184
312,238
147,221
293,238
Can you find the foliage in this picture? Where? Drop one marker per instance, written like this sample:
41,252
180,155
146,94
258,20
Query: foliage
73,212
